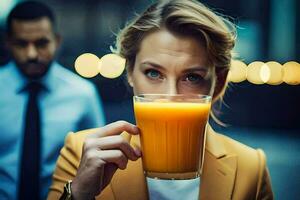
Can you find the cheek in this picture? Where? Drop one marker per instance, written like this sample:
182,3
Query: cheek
18,54
191,90
48,53
139,84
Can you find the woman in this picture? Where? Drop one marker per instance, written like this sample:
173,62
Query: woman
174,47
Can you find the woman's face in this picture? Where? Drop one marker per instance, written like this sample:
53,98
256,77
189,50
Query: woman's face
171,64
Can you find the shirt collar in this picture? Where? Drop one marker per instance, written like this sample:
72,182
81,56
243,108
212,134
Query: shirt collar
21,81
49,79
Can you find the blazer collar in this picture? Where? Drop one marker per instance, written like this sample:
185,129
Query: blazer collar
219,170
213,144
217,179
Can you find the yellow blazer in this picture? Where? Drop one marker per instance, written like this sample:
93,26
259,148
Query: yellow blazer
231,171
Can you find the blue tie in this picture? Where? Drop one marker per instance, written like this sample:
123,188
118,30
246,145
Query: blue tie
29,184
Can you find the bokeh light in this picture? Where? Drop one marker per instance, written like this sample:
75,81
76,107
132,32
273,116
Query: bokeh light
275,73
237,72
87,65
255,72
111,66
291,73
265,73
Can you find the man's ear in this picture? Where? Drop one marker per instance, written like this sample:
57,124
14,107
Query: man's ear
58,40
221,82
7,42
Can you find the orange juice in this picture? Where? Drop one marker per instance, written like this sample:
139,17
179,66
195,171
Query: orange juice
172,136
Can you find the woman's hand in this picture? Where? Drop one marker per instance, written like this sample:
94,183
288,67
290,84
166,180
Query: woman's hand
103,153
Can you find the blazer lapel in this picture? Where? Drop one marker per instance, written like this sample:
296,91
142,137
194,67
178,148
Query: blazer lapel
219,170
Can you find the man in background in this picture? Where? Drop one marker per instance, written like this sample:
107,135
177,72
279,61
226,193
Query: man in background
40,102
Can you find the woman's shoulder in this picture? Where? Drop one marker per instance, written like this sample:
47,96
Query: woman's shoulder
243,151
220,145
79,136
250,161
74,141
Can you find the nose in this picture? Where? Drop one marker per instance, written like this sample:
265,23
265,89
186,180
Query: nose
172,88
31,52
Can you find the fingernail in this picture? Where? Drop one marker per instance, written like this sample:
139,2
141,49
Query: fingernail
138,152
137,130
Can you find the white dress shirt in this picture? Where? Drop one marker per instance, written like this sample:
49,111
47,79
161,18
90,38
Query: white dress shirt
69,103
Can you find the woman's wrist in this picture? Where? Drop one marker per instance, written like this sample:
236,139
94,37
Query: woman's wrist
79,194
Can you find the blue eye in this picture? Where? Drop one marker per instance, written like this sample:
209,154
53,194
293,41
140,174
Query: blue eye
194,78
153,74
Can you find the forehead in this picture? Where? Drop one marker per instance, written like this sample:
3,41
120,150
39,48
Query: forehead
163,43
31,29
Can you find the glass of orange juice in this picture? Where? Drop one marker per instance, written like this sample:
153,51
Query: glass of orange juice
172,134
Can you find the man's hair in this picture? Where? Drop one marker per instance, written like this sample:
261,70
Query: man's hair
28,11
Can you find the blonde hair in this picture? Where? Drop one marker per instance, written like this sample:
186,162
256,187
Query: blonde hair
183,17
188,18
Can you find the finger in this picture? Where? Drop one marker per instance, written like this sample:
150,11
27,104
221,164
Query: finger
114,156
114,142
137,148
116,128
138,152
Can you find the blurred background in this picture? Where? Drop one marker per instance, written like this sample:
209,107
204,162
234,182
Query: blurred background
261,116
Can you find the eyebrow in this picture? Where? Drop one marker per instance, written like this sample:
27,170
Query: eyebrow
155,65
189,70
42,39
196,69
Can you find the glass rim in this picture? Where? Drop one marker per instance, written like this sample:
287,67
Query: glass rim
188,96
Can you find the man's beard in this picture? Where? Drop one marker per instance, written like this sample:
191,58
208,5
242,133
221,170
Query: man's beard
34,69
